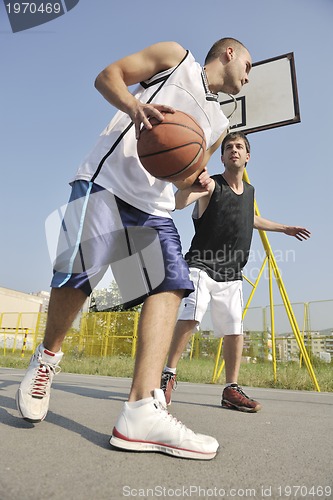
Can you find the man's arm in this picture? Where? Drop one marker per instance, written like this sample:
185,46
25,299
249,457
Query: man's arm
194,178
114,80
301,233
203,188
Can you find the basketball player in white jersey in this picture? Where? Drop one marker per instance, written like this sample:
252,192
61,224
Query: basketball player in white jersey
117,214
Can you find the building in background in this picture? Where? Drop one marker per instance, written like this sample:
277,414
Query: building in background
21,314
15,301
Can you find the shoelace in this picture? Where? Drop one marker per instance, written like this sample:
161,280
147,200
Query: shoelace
242,393
171,418
39,385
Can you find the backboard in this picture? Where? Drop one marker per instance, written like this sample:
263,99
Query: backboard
269,100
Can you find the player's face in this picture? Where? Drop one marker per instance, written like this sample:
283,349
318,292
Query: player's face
237,71
235,155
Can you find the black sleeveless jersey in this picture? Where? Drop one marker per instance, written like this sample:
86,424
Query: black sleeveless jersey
223,233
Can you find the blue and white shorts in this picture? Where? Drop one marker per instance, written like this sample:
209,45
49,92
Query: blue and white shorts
99,231
225,299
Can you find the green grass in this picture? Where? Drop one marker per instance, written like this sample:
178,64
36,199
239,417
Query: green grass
289,375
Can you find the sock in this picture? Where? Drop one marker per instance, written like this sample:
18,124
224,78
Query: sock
49,356
50,353
228,384
170,370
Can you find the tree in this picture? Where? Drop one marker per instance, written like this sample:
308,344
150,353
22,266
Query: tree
109,300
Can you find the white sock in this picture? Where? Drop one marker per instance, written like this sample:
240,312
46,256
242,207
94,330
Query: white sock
228,384
171,370
49,356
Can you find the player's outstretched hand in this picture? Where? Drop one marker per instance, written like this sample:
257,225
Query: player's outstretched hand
301,233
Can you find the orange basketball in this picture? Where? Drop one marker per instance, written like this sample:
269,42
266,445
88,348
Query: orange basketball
174,148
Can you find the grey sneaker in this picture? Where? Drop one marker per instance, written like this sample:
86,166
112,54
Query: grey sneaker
149,427
33,395
168,384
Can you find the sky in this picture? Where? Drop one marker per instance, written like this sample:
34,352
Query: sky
51,116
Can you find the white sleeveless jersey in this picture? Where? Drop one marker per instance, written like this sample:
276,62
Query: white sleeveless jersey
114,162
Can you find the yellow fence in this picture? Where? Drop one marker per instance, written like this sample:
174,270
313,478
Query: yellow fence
105,334
93,334
20,332
109,334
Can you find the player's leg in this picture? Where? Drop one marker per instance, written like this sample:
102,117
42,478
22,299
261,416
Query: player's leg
233,396
227,306
33,395
181,337
158,315
64,306
71,285
195,306
232,353
144,423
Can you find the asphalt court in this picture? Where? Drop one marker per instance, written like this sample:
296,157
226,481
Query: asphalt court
284,451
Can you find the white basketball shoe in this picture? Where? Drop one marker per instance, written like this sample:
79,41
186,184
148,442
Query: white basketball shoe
146,425
33,395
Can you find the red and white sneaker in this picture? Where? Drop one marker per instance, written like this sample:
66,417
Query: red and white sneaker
33,395
146,425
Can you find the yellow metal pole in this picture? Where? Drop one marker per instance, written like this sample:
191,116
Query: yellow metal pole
135,333
217,359
106,336
304,330
271,301
254,286
295,328
308,328
24,343
196,346
285,298
192,347
93,342
83,323
35,333
289,310
220,370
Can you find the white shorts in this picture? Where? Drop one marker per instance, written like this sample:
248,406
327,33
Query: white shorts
226,299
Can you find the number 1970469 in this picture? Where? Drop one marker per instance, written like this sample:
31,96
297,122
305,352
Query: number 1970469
33,8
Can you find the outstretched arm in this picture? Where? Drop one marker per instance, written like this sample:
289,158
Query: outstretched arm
301,233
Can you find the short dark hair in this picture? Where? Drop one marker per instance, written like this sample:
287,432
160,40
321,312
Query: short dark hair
235,135
219,47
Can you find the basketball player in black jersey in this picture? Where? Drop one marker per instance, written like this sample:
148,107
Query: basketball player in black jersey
224,219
